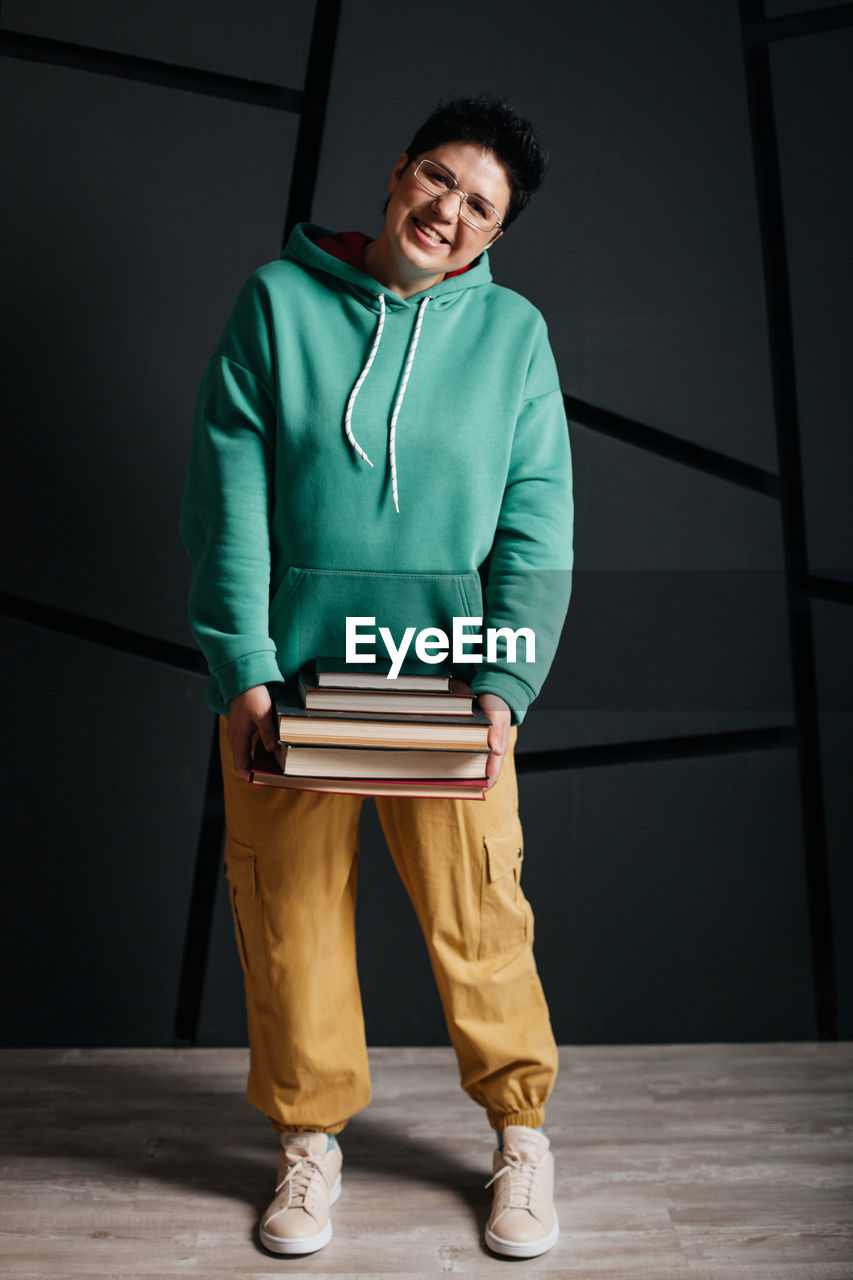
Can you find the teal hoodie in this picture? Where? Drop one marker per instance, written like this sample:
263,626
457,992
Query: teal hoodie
332,475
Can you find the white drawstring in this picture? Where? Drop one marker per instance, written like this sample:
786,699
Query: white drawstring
413,346
392,434
368,362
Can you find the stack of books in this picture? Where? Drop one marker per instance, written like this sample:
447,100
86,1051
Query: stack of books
350,729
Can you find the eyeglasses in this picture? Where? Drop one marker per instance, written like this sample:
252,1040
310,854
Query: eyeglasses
438,181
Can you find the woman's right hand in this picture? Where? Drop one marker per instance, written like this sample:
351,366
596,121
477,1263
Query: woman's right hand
249,711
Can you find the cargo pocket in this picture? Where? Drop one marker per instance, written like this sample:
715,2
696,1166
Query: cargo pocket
247,908
504,914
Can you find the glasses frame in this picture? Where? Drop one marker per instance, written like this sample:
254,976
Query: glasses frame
457,191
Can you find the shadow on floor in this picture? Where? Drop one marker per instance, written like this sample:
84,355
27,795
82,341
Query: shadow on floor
125,1121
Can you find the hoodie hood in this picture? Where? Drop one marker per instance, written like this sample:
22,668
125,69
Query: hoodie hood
301,248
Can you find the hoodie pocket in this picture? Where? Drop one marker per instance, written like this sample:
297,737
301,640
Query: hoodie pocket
310,609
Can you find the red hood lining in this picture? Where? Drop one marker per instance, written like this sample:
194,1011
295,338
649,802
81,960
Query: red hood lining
349,247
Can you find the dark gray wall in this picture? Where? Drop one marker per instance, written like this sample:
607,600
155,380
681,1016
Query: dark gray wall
688,828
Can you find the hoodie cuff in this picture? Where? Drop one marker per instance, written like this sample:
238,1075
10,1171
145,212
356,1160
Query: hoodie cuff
515,693
246,672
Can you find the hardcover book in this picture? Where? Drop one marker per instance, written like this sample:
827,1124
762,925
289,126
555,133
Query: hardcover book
266,773
386,762
296,724
456,700
412,677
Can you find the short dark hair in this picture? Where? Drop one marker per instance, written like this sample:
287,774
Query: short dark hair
493,124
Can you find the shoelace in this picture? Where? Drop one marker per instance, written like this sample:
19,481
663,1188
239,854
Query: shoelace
298,1178
521,1177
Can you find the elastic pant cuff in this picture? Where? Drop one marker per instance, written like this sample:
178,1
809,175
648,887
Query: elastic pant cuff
533,1119
306,1128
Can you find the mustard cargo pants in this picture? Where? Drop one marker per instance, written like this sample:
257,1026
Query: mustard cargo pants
291,859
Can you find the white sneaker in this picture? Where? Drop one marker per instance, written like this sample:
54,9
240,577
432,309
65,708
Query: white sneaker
309,1181
522,1223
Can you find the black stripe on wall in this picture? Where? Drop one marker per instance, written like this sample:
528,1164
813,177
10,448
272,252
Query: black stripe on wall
104,633
202,900
834,589
653,440
128,66
318,77
782,363
759,30
678,748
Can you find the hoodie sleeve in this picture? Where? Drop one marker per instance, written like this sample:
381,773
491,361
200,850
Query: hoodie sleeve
225,519
529,572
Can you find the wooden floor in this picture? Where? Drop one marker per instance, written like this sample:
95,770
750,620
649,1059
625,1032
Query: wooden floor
702,1161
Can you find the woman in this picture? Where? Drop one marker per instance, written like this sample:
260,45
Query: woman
381,433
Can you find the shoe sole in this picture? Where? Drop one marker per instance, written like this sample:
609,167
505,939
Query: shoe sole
523,1248
302,1244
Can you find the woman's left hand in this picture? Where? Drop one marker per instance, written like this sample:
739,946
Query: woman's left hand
501,717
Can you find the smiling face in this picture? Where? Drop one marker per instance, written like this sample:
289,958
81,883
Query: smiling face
424,238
